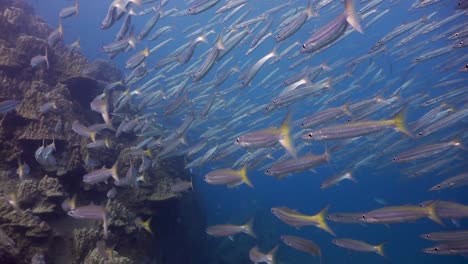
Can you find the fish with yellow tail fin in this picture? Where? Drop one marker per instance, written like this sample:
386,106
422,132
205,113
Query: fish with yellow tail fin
144,224
269,137
257,256
230,230
297,219
401,214
357,245
357,129
228,177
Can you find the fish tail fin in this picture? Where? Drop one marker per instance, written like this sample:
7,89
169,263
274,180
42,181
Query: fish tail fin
93,135
350,177
380,250
345,108
73,202
310,11
107,143
326,154
274,52
46,58
202,38
352,17
432,213
272,254
286,140
245,179
321,220
191,183
458,143
104,226
115,174
219,42
400,122
147,225
248,228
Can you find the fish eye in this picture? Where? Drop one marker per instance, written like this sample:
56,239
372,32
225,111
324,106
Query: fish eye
456,34
363,217
204,178
304,46
267,171
237,140
420,133
436,249
310,135
394,159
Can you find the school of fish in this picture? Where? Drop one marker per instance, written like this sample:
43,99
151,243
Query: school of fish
178,104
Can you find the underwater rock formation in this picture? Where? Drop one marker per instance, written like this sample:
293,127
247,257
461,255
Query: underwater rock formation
33,226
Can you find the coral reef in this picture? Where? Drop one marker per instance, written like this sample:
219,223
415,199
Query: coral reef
33,226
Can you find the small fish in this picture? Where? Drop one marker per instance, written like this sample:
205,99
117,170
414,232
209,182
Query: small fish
92,212
294,25
269,137
296,219
336,179
228,177
446,236
210,59
328,34
40,59
452,182
144,224
83,131
306,162
427,151
181,186
22,170
69,204
230,230
359,245
303,245
357,129
201,6
101,175
55,36
69,11
112,193
137,59
348,218
12,199
104,252
400,214
101,105
74,46
453,248
8,105
47,107
257,256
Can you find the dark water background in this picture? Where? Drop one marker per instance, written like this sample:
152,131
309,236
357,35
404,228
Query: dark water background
302,191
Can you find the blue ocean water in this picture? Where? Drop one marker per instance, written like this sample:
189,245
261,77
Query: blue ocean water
380,179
